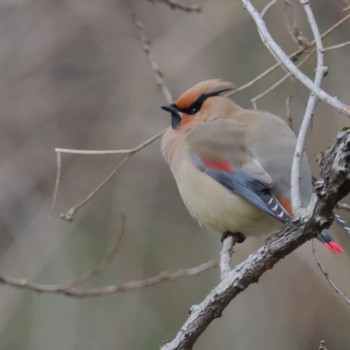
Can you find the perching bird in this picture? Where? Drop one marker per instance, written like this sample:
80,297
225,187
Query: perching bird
232,165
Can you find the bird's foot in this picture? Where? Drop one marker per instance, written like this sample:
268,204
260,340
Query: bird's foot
238,237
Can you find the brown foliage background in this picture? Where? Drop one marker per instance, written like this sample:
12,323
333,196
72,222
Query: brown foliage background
73,74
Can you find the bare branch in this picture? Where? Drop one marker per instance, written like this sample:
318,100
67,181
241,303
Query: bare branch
150,57
103,264
225,256
174,5
267,7
294,32
282,56
294,56
335,184
338,46
114,151
343,206
57,181
69,214
281,80
347,8
325,274
112,289
299,148
59,288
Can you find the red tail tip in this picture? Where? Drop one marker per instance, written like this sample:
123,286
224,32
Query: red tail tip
334,247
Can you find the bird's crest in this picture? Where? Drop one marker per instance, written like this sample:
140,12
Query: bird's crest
208,87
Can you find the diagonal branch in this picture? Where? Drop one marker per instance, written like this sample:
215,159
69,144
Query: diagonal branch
283,57
293,56
335,184
174,5
146,43
325,274
69,214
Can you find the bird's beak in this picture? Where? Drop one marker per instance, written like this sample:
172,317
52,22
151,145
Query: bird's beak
175,115
170,108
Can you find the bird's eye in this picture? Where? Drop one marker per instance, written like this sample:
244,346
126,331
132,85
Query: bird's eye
194,110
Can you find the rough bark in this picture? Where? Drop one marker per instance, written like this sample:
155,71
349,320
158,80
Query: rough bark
333,185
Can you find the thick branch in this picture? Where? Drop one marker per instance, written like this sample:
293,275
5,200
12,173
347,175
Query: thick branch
335,184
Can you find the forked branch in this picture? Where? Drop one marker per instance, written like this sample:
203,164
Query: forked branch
334,185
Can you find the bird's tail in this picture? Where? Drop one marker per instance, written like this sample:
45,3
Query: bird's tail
330,243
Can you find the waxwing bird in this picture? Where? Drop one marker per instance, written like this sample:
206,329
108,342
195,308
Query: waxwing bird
232,165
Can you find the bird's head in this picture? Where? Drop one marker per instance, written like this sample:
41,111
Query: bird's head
202,102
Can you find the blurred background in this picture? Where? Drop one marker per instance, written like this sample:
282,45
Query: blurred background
74,75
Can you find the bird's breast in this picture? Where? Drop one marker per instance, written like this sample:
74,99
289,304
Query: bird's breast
214,206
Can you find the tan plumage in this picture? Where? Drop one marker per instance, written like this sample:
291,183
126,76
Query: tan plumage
227,161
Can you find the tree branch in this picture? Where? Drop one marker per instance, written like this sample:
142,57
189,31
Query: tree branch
281,56
293,56
299,148
226,255
335,184
70,213
174,5
68,289
325,274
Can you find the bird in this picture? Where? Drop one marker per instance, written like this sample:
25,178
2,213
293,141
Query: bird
232,165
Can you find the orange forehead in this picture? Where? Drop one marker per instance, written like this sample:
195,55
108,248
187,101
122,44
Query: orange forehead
212,87
188,97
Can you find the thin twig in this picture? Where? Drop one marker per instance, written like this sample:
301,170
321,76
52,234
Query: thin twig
115,151
60,288
57,181
343,206
294,32
299,148
293,56
103,264
338,46
146,43
325,274
267,7
282,57
281,80
125,287
70,213
174,5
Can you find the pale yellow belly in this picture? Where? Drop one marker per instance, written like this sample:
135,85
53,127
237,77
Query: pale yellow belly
216,207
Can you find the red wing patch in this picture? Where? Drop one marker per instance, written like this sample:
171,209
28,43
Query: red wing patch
218,164
286,204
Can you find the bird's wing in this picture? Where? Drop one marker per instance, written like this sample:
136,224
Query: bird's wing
219,149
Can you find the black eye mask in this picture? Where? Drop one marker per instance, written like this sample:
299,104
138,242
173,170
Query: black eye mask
191,110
